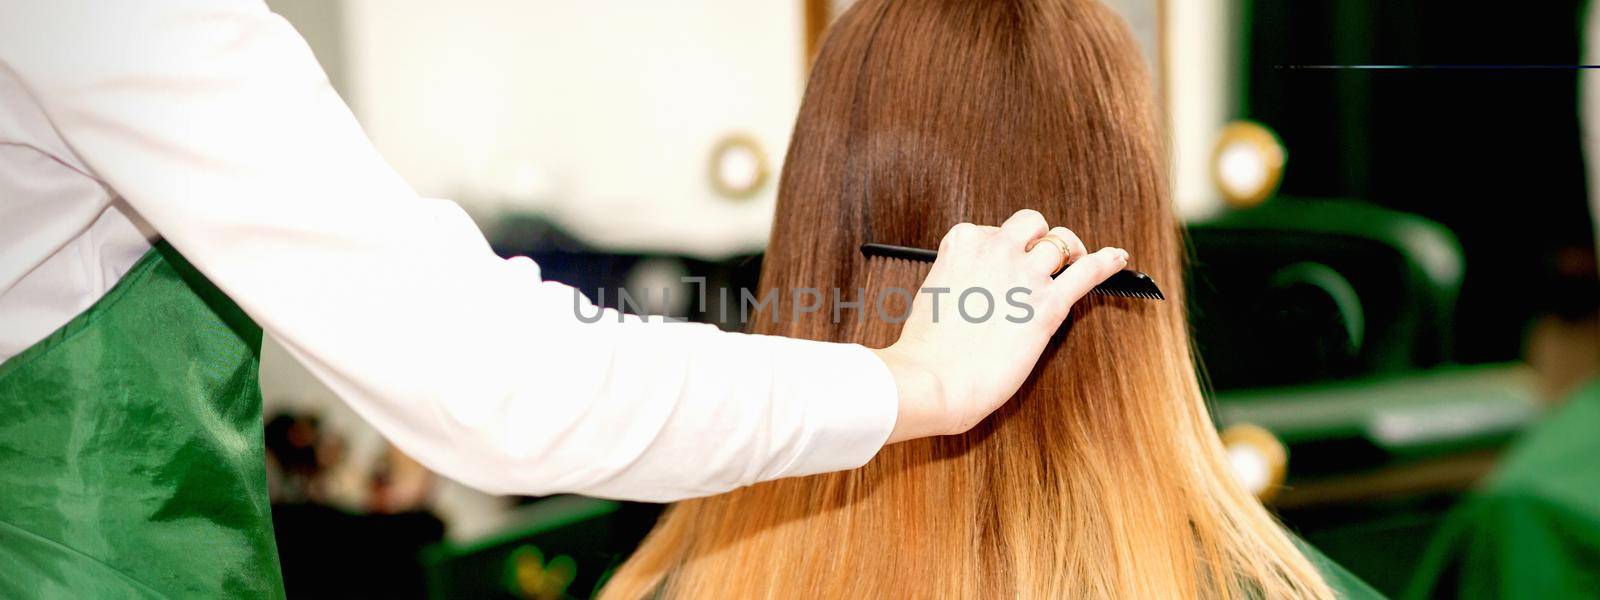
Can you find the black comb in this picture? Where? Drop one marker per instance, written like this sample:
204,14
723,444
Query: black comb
1126,283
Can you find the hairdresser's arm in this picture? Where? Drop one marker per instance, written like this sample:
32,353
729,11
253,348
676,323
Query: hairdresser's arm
214,122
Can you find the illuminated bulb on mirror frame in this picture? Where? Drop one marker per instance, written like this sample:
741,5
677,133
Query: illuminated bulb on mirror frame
1258,460
1247,163
658,286
738,167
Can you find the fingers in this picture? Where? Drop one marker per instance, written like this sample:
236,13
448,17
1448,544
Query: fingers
1075,247
958,236
1023,228
966,234
1047,257
1085,273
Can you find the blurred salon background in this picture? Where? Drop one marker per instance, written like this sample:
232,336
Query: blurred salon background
1391,222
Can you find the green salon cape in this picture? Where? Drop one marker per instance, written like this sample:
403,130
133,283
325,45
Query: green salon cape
1346,586
130,449
1533,530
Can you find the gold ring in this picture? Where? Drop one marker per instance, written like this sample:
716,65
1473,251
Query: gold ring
1061,245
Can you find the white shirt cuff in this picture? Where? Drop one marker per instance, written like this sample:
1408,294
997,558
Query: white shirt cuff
852,409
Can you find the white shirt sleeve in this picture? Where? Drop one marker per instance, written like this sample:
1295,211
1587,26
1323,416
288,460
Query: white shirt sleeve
215,123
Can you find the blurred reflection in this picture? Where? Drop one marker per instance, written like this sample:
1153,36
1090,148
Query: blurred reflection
1414,313
370,552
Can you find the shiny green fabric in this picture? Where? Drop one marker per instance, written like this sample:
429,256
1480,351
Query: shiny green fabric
1346,586
130,449
1533,530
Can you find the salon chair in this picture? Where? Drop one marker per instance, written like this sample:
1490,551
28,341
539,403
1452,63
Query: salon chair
1328,323
1298,291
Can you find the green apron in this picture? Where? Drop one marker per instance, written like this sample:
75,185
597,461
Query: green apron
1533,529
130,449
1346,586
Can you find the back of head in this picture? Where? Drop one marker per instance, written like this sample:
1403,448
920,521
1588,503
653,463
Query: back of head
1104,476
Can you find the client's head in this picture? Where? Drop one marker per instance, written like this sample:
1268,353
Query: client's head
1103,477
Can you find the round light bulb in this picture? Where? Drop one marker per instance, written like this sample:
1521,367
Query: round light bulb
1247,163
1250,468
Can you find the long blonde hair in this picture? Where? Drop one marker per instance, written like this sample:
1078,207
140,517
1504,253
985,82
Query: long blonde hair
1104,476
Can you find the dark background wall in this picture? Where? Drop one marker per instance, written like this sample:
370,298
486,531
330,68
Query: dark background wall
1493,153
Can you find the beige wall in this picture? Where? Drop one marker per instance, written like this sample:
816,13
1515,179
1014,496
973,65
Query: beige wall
601,115
1199,79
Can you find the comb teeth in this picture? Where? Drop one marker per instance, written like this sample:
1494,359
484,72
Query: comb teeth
1130,284
1100,291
